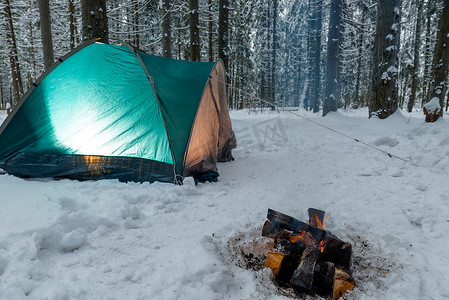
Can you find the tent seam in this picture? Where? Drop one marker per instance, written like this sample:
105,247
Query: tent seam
151,80
196,114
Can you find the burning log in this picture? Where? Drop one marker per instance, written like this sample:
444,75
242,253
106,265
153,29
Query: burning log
274,262
309,257
303,275
294,225
343,282
323,278
316,217
336,251
284,240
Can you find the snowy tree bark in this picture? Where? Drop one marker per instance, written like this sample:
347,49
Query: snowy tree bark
210,34
74,37
415,74
47,41
429,45
273,53
136,25
13,53
95,20
195,50
332,93
166,29
315,23
32,48
223,32
384,90
441,58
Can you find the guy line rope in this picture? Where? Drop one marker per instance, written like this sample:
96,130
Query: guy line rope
319,124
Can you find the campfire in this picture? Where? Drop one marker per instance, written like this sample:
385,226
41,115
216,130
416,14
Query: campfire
306,257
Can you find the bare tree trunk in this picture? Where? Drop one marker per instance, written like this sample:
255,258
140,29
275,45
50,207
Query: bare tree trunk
405,87
384,90
332,94
210,33
33,53
195,50
72,24
47,43
3,104
440,64
166,29
95,20
411,100
316,44
428,52
358,96
136,26
273,54
13,54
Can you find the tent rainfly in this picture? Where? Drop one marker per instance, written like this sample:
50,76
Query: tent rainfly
114,112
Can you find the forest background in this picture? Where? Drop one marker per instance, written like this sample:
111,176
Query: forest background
318,54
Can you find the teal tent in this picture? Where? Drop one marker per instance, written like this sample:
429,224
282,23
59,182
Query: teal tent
112,111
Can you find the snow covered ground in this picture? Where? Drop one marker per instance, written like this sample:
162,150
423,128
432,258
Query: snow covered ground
109,240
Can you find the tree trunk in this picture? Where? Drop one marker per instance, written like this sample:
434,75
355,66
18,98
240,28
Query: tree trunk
428,52
359,64
273,54
166,29
332,94
223,14
384,90
13,54
72,24
411,101
136,25
210,32
195,50
3,103
95,20
316,44
33,52
440,64
47,43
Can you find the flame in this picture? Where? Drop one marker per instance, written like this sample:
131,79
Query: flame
326,219
322,246
318,222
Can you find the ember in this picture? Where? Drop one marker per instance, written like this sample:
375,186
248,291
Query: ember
306,257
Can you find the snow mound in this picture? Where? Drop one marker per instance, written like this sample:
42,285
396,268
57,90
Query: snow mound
74,240
433,105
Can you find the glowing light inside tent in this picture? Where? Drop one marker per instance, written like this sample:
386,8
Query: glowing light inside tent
85,133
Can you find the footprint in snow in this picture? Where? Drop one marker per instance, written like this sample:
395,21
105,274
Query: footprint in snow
386,141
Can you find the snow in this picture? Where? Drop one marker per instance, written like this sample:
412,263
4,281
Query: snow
109,240
392,69
433,105
385,76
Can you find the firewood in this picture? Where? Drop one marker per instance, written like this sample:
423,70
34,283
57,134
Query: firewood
343,282
303,275
336,251
289,223
323,278
296,239
274,261
292,249
270,230
316,217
